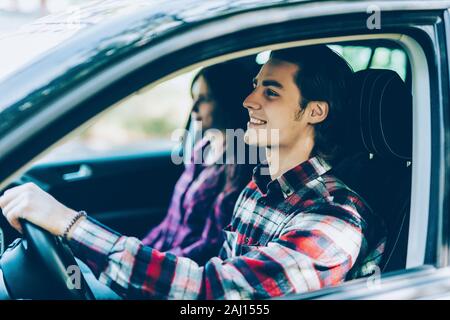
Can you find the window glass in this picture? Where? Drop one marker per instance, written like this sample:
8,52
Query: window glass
142,122
357,56
394,59
361,57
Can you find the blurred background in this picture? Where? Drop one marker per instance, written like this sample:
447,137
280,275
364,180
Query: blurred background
147,119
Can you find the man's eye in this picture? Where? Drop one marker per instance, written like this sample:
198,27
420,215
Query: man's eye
271,93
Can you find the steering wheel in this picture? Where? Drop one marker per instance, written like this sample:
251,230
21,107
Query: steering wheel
42,266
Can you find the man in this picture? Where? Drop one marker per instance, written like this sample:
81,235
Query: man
295,230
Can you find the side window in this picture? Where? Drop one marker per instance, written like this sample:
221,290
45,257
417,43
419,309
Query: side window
144,121
377,56
370,56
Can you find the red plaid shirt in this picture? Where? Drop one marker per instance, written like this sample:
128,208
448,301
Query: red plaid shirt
301,232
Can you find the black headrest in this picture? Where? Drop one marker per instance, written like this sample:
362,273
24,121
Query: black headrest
380,115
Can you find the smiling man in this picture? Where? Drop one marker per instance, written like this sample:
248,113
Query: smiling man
293,230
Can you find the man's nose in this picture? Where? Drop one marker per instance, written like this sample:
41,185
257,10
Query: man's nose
251,102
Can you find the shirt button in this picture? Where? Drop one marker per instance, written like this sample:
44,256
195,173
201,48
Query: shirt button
247,240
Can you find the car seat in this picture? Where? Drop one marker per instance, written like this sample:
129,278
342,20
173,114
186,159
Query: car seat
378,154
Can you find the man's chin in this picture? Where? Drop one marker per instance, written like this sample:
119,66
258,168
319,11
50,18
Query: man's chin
255,141
261,137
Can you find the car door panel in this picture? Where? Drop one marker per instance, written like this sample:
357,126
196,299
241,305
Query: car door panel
424,282
127,193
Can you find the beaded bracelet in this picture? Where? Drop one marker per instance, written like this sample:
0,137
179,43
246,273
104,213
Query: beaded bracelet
72,222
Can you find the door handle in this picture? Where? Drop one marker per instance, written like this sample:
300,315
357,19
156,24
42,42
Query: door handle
83,173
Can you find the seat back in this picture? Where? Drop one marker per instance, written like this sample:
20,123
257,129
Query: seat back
378,152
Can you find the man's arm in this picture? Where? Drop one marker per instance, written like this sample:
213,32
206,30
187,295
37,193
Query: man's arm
313,251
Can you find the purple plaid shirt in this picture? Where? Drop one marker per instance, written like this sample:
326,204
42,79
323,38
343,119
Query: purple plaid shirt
303,231
201,206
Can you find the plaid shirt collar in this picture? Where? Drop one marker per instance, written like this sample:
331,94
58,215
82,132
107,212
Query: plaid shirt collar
291,180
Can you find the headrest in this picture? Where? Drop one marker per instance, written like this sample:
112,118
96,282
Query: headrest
380,115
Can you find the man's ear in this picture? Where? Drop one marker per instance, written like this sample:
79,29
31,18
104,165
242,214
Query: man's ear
318,111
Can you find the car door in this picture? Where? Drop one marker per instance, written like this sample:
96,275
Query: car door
424,282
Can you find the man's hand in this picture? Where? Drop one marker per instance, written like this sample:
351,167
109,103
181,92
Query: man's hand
31,203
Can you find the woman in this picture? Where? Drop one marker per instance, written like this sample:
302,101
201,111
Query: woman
205,194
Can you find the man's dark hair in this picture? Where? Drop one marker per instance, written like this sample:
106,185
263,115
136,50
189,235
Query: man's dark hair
323,75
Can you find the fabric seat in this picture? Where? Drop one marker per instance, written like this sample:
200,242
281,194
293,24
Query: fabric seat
378,151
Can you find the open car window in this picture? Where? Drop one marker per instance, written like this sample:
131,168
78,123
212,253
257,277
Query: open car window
145,121
148,119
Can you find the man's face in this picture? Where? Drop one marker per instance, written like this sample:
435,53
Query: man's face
273,106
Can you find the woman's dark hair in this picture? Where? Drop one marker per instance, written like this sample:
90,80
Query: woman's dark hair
229,83
323,75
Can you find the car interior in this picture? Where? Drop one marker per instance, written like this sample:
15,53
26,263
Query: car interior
117,190
378,153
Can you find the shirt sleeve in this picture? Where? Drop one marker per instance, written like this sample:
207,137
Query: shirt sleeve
313,251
